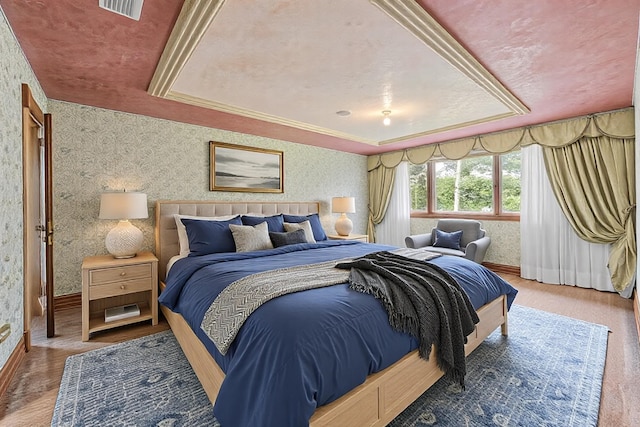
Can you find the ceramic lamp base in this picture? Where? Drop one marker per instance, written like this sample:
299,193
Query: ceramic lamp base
125,240
343,225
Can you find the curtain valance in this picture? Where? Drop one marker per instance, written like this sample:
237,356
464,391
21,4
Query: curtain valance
616,124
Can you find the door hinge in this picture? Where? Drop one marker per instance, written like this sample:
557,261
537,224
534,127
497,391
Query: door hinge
49,233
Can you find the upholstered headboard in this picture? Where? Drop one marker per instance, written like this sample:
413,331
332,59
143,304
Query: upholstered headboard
167,234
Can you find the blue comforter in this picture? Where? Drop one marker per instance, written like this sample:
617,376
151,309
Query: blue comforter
304,349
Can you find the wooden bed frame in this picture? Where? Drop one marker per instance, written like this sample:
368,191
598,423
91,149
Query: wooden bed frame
380,398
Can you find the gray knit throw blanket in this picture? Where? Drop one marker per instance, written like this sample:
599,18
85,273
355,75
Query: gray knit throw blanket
422,300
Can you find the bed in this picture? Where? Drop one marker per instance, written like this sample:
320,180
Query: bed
380,396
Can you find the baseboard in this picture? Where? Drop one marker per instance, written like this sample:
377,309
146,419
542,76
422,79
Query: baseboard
65,302
502,268
9,369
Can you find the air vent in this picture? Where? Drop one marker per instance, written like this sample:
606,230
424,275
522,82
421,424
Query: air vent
129,8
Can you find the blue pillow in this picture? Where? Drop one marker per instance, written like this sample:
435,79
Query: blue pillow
448,240
210,237
275,223
314,219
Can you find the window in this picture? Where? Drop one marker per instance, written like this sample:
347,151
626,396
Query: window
476,186
464,185
510,166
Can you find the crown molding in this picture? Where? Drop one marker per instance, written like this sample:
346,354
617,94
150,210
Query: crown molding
195,18
412,17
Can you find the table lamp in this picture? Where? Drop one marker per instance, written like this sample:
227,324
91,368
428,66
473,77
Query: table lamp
343,206
125,239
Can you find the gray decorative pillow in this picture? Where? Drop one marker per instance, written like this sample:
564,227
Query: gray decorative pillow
289,238
304,225
251,237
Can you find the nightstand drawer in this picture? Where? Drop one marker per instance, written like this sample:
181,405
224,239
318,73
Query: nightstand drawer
120,288
118,274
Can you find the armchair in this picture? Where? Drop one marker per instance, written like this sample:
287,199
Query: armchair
473,242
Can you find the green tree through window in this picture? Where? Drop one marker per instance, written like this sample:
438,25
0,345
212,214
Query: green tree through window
418,186
511,182
467,185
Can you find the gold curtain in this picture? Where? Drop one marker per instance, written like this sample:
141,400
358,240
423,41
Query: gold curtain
594,182
619,124
380,184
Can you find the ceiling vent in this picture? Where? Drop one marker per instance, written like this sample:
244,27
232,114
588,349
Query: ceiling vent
129,8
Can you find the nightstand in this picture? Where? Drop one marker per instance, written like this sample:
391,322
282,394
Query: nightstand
361,237
109,282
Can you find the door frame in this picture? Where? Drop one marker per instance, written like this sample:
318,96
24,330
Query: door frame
32,113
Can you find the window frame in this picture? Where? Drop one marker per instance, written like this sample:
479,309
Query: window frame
497,213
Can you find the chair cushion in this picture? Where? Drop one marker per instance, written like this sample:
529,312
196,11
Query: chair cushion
448,240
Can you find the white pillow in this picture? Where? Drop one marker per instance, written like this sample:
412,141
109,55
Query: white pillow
304,225
251,237
183,239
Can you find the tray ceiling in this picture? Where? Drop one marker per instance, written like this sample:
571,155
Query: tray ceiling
335,75
446,69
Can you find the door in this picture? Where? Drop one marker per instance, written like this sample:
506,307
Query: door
37,228
46,212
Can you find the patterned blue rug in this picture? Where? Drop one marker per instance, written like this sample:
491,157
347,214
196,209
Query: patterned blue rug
548,372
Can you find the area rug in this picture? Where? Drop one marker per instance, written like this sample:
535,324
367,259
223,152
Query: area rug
548,372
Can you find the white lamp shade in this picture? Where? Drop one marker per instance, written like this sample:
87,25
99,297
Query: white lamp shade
123,205
343,205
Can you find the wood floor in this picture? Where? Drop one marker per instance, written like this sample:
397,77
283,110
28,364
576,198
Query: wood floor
31,396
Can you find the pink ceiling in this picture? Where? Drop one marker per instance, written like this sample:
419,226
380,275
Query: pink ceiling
561,58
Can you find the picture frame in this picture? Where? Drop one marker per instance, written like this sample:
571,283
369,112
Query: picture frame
241,168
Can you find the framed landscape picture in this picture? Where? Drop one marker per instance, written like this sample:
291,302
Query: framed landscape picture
240,168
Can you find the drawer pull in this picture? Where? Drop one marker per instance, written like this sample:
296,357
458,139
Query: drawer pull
123,287
124,273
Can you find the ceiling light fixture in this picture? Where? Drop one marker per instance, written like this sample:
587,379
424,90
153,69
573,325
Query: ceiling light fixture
387,120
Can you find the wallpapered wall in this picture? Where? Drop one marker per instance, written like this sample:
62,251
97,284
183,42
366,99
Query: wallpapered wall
14,70
97,150
505,239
